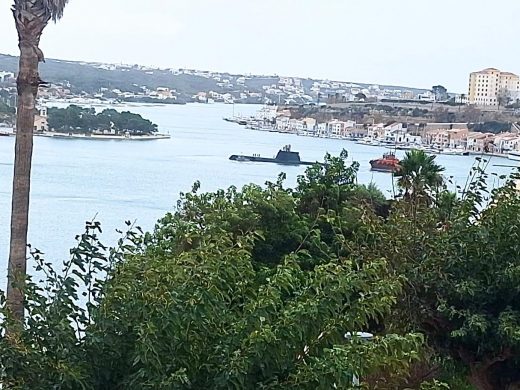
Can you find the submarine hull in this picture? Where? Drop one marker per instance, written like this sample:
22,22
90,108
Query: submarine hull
242,158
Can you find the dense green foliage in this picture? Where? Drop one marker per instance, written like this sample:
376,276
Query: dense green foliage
462,270
229,296
6,112
260,288
5,109
75,118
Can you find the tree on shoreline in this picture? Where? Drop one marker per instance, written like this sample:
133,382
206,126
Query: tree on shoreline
31,17
80,119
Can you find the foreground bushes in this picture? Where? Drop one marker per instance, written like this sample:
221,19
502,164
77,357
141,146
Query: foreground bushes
268,287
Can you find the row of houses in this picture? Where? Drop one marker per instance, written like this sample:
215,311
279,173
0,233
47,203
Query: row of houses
438,135
331,129
459,136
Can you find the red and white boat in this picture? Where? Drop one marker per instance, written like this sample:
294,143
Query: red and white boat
389,163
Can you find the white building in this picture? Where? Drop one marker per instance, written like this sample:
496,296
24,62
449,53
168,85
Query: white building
340,128
412,139
267,113
322,130
296,125
40,120
285,81
376,131
506,142
336,127
164,93
5,76
309,124
427,96
282,123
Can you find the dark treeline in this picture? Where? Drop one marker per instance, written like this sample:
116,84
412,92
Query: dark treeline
75,118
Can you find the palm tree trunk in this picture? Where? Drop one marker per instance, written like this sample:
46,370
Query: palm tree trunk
27,82
31,17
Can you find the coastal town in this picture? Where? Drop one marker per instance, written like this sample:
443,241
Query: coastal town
491,95
217,88
91,83
483,120
442,137
78,82
261,194
181,86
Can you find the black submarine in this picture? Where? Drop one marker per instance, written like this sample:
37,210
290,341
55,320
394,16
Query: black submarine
285,157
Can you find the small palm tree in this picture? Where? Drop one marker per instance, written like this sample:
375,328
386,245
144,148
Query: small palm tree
31,17
418,174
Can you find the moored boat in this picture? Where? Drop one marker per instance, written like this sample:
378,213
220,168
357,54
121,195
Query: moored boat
388,163
236,119
455,152
6,131
514,155
365,141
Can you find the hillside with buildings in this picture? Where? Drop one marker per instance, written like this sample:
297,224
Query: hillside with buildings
70,79
486,119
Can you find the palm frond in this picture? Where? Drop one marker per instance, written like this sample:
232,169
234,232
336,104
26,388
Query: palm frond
45,9
418,172
31,18
55,8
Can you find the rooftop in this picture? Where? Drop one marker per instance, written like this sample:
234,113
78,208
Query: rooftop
494,70
479,135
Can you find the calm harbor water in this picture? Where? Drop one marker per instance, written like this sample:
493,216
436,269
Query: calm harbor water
77,180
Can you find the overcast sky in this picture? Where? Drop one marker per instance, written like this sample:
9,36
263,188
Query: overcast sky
401,42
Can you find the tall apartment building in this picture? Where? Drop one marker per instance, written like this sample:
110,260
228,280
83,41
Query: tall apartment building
491,87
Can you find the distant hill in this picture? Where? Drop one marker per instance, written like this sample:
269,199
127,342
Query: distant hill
88,78
92,77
